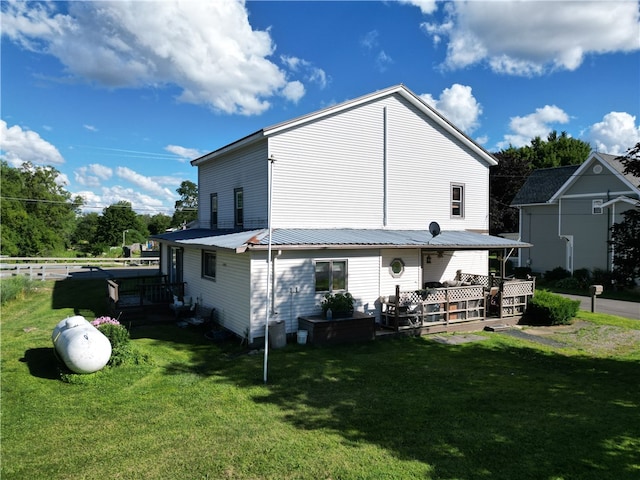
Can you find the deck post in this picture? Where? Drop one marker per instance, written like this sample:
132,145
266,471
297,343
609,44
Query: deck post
397,309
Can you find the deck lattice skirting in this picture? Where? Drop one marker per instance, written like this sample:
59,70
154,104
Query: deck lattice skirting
477,297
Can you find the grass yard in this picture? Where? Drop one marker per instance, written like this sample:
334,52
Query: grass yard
502,408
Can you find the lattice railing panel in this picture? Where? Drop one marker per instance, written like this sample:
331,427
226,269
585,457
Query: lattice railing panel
513,289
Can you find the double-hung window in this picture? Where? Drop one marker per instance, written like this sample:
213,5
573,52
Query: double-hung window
214,211
331,275
596,207
238,206
457,200
209,264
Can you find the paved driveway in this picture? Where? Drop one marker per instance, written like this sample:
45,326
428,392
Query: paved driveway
611,307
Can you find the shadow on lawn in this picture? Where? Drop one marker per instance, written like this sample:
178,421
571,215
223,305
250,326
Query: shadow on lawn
42,363
87,297
468,411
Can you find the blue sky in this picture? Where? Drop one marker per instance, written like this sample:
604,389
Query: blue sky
120,96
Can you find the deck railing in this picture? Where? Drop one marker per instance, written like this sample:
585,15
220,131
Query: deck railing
474,297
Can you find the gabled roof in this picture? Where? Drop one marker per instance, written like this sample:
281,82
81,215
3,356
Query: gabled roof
542,185
340,238
610,162
401,90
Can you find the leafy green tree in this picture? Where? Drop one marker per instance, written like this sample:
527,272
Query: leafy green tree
119,221
515,165
84,235
505,179
36,212
625,236
187,206
158,223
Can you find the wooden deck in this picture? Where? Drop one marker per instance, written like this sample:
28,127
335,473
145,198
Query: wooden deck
441,309
134,298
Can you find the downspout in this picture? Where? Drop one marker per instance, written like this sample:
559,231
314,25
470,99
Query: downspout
610,247
567,238
385,185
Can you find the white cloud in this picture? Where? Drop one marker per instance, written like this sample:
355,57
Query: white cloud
19,146
532,37
383,60
458,105
370,39
208,49
183,152
91,128
92,175
370,42
140,203
615,134
426,6
293,91
62,180
537,124
310,73
147,183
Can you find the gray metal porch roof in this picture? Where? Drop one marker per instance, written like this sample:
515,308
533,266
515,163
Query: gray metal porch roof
338,238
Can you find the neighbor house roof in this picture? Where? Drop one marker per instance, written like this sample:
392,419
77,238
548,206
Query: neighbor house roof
401,90
340,238
542,185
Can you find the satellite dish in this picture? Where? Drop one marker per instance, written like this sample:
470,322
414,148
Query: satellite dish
434,229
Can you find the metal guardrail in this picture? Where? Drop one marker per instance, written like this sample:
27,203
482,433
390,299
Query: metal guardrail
53,268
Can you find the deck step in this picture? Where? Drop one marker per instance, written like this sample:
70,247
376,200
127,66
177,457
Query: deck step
498,328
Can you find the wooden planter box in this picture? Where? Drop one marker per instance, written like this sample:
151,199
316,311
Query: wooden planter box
357,328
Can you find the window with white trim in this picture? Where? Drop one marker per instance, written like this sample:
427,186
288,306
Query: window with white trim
209,264
331,275
457,200
596,207
238,206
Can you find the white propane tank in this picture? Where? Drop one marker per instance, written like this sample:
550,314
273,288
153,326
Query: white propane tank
81,346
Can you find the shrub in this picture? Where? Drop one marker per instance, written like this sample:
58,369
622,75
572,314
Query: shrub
14,287
556,274
118,337
569,283
583,277
546,308
339,303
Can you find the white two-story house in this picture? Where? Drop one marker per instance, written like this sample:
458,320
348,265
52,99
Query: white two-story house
349,193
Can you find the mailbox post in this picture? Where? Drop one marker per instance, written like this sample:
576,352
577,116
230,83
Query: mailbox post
594,290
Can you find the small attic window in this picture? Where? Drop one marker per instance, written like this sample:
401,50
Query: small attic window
596,206
597,168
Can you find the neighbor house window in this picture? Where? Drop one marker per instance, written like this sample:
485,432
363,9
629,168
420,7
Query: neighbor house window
214,211
331,275
457,201
238,205
209,264
596,207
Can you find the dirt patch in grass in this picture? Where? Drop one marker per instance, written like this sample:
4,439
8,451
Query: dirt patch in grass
592,339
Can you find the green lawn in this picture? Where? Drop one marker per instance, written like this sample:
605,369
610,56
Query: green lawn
503,408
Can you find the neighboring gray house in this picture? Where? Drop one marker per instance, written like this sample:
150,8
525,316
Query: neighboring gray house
354,189
567,213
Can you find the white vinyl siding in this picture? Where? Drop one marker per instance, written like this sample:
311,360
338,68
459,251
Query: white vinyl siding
335,170
294,280
229,294
245,169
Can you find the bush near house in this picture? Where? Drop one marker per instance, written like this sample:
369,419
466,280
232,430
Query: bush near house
546,308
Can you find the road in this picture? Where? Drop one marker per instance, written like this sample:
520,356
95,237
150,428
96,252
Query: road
608,306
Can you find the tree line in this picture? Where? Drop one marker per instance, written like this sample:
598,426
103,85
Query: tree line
40,218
